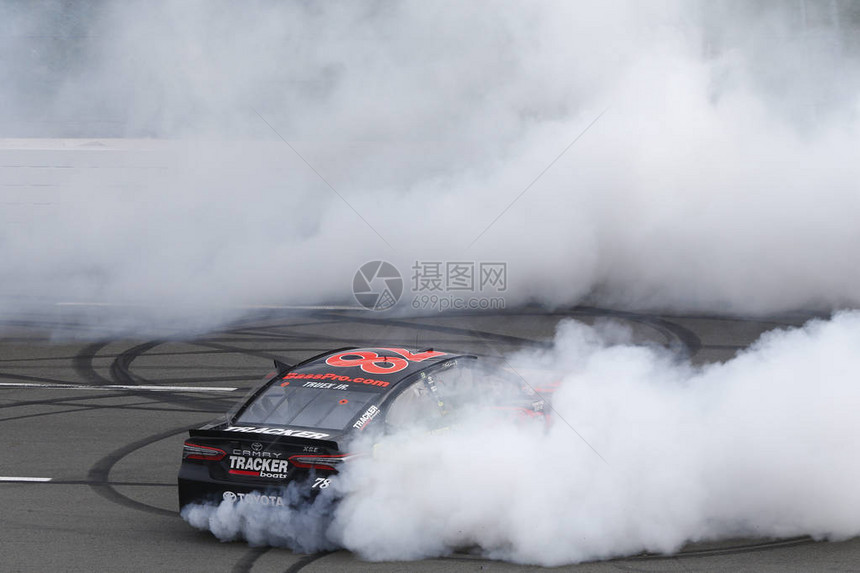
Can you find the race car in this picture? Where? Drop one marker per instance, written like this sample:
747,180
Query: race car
295,427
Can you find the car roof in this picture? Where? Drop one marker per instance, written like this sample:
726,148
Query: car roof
371,368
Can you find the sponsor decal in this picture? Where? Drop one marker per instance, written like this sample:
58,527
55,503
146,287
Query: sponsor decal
259,467
256,446
322,385
258,498
335,378
278,432
368,415
252,453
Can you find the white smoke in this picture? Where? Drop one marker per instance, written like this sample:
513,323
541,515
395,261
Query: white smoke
294,522
645,453
721,175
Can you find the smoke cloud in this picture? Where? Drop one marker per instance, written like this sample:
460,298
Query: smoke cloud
720,174
298,524
645,453
179,161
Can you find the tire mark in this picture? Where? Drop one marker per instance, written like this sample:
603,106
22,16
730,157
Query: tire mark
99,473
91,407
235,349
679,338
83,364
444,329
726,550
55,401
690,343
305,561
119,368
121,373
246,562
54,413
26,378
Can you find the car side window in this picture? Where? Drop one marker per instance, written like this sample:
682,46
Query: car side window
456,383
415,405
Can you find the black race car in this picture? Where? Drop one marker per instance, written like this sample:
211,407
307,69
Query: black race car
293,429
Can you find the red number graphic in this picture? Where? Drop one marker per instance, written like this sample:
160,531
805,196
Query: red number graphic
370,362
420,357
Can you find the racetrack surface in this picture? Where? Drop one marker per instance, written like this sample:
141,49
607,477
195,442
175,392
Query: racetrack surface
104,420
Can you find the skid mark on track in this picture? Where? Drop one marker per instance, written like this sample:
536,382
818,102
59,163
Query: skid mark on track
247,560
99,474
305,561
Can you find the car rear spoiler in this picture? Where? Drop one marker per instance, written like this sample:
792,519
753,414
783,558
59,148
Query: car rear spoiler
328,443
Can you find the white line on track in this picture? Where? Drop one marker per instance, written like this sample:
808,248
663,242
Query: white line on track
23,479
239,307
116,387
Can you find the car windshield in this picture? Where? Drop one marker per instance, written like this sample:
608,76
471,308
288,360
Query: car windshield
321,408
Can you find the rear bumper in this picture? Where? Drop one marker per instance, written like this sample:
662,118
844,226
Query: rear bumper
196,485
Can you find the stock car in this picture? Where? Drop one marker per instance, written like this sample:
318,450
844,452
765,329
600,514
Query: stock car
295,428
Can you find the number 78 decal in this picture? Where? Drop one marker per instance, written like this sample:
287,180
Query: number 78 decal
374,363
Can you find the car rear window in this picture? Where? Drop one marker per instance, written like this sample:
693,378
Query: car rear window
321,408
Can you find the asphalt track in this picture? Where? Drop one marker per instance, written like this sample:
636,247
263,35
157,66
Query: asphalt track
105,420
